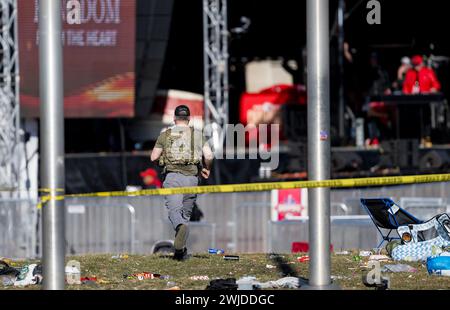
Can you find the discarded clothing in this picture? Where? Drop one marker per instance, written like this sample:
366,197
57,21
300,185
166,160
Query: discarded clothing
249,283
29,275
223,284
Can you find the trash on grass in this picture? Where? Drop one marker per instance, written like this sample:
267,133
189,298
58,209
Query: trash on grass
271,266
250,283
7,280
216,251
287,282
340,278
145,275
29,275
379,258
199,278
231,257
246,283
439,265
357,258
342,253
365,253
88,280
120,256
222,284
73,273
398,268
303,259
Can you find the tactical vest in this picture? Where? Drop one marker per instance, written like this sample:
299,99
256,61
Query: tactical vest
180,147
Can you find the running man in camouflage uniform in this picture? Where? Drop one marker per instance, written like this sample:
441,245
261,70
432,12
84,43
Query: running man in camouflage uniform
184,154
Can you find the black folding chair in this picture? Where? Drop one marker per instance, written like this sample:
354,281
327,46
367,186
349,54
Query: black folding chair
386,214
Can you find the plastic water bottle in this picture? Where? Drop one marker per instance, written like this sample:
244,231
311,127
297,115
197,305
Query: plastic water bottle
215,251
73,273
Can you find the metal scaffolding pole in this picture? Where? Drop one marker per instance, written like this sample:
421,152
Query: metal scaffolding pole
215,57
215,72
341,42
318,62
52,141
9,100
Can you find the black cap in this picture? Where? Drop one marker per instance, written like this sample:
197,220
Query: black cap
182,111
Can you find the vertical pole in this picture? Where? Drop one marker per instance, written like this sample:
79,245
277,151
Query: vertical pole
225,82
341,35
318,140
206,63
52,141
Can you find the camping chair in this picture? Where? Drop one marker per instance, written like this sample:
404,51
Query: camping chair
386,214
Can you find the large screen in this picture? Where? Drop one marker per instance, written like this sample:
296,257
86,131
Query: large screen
99,59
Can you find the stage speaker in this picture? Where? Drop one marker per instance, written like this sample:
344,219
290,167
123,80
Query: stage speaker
153,31
346,162
294,122
434,160
403,153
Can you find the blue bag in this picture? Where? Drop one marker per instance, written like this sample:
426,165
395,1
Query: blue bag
439,265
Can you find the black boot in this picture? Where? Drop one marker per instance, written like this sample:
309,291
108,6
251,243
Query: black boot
180,242
181,255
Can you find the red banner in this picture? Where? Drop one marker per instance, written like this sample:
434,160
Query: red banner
99,59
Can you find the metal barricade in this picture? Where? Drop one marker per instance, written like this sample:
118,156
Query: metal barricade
100,228
347,232
424,208
235,222
18,226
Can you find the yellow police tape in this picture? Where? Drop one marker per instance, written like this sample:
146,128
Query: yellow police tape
257,187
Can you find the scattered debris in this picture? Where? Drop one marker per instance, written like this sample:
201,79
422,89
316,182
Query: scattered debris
439,265
29,275
87,280
365,253
171,284
223,284
303,259
391,246
398,268
120,256
340,278
357,258
216,251
199,278
7,261
146,275
287,282
231,257
7,280
380,258
246,283
377,250
73,273
342,253
271,266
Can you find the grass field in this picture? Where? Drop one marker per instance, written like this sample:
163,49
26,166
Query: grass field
345,270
